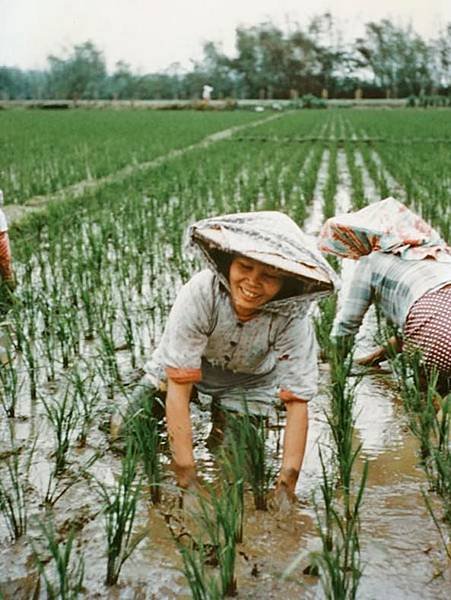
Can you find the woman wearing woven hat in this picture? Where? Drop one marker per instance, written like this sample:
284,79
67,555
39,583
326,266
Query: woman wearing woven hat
239,332
405,266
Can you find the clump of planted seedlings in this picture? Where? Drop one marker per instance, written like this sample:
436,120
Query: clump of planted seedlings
219,519
338,562
249,433
9,386
144,430
233,474
119,509
13,488
61,573
339,526
58,485
86,398
64,417
323,323
429,417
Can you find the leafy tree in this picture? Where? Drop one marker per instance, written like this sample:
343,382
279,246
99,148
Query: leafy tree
123,83
398,57
16,84
81,75
442,59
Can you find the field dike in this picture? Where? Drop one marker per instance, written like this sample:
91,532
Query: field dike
16,212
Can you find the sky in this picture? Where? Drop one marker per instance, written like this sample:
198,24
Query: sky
151,35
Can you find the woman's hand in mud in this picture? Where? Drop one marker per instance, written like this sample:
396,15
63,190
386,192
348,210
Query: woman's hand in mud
373,359
285,496
185,475
194,497
393,345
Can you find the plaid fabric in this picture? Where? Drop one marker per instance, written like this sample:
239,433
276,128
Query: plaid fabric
392,281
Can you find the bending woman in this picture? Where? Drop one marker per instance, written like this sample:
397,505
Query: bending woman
405,266
239,331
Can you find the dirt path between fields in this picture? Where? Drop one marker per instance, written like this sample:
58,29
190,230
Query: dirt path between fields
16,212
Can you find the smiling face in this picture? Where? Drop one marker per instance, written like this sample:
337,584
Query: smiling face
252,284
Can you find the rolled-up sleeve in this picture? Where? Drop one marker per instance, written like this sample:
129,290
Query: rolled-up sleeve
297,362
179,354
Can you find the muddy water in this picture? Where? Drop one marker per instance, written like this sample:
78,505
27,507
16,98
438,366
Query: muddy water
401,548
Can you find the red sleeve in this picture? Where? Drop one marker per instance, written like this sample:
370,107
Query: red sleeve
184,375
5,256
287,396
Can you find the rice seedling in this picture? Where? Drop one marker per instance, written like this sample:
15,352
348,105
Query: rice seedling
32,367
250,435
86,398
64,417
233,466
339,561
430,422
66,580
9,386
119,509
144,429
13,488
323,324
215,545
340,416
58,485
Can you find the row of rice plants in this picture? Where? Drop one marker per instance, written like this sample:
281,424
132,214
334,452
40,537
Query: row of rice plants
97,277
44,151
429,419
94,278
415,151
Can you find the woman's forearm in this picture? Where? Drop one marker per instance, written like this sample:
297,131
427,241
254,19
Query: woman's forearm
178,420
294,443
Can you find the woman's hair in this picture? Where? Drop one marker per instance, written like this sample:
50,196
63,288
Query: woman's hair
291,286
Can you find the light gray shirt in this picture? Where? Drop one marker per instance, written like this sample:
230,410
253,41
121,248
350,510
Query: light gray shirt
205,343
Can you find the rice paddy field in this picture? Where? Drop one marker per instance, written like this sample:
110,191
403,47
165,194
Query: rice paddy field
104,198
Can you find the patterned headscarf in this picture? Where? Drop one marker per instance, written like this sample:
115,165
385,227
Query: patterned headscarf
386,226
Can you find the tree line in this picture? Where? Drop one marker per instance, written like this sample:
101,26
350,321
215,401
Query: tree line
389,61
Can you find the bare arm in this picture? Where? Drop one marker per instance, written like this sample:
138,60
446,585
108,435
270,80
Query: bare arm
178,420
393,345
294,442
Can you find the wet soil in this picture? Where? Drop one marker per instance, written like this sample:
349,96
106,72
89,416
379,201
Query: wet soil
401,550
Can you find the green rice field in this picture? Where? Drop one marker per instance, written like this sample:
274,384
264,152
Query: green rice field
98,268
